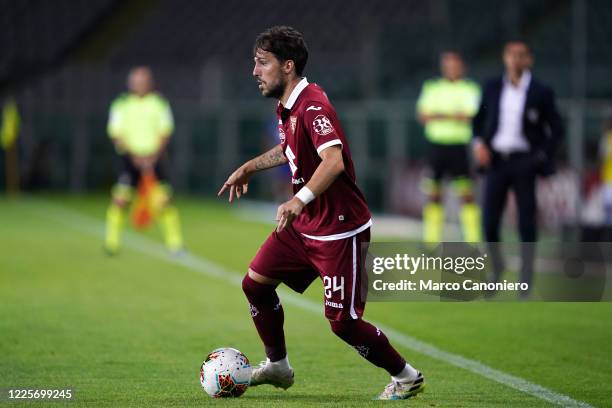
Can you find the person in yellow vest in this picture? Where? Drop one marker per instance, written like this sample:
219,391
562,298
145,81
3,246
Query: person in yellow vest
445,107
140,125
605,150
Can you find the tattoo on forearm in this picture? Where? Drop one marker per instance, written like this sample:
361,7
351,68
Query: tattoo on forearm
269,159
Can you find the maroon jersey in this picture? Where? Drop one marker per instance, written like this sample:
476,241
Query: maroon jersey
308,125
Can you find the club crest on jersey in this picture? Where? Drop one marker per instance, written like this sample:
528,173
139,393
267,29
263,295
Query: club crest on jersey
293,121
322,126
281,134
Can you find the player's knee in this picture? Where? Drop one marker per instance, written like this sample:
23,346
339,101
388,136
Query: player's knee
247,286
253,288
258,293
264,280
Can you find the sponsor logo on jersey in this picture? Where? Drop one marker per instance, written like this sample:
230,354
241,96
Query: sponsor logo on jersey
312,107
281,134
293,121
297,181
334,304
322,126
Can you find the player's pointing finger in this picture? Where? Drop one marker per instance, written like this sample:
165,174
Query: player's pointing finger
223,188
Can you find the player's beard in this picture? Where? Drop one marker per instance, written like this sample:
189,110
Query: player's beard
276,91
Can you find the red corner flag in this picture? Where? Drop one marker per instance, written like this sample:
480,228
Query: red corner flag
143,210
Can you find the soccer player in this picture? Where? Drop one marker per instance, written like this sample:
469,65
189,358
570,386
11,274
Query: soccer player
446,107
320,230
140,126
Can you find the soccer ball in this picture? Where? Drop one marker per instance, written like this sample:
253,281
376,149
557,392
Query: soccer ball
226,372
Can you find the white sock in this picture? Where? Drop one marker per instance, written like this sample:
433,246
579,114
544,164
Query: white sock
282,364
406,375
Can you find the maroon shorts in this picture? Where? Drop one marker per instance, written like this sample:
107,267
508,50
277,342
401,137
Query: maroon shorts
296,260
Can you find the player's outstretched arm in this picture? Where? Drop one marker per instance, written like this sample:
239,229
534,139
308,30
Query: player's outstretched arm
238,182
272,158
331,166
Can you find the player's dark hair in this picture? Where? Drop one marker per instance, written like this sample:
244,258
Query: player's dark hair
516,40
451,51
286,43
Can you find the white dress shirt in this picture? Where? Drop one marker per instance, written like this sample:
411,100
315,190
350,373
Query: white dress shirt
509,137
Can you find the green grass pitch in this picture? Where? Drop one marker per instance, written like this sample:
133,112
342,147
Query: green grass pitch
132,330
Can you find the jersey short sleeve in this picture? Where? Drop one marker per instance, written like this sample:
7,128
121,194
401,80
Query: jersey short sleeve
166,119
319,122
115,124
425,103
472,100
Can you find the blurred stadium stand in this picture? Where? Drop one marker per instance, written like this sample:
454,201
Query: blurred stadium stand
65,60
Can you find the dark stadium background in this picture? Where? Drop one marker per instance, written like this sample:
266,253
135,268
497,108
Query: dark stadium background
65,60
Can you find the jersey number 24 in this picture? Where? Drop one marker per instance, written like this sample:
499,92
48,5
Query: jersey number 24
331,285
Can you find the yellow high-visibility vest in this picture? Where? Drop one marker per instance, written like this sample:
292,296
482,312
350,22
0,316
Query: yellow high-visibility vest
442,96
140,122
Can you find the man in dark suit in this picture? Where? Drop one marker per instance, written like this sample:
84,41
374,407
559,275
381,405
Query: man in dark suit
516,130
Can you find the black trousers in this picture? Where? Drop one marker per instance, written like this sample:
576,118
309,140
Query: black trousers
516,171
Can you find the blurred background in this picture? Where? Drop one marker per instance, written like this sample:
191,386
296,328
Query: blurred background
64,61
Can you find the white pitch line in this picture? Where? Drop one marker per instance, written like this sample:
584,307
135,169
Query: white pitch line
94,227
